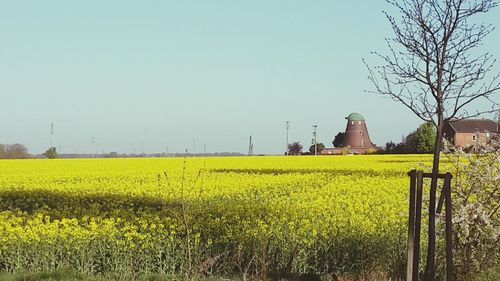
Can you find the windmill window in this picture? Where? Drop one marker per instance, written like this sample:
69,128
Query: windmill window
352,122
359,122
474,137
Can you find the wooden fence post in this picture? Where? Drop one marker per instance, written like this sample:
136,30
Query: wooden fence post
418,223
411,226
415,220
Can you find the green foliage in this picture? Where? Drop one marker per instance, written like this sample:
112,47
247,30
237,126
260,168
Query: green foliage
51,153
67,274
410,143
345,151
295,148
419,141
339,140
112,154
492,274
319,146
425,138
2,151
396,148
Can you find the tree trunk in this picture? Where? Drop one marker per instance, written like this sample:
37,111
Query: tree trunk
430,265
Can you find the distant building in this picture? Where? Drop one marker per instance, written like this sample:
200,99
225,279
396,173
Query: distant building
356,133
331,151
467,132
356,138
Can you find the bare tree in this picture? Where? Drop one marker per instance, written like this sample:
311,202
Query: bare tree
15,151
295,148
435,69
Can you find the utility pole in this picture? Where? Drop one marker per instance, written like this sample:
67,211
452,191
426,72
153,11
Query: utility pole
92,140
287,126
194,147
51,134
315,126
205,149
250,147
142,148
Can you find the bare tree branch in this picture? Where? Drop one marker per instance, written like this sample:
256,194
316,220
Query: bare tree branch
433,68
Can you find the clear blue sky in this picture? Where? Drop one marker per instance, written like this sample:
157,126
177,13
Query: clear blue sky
170,72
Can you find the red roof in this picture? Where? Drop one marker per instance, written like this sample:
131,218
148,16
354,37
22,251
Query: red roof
474,126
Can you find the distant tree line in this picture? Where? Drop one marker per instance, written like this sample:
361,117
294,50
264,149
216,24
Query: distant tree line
295,148
419,141
51,153
13,151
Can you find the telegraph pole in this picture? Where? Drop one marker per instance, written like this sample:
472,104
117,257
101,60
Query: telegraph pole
250,147
194,147
315,126
92,140
51,134
287,126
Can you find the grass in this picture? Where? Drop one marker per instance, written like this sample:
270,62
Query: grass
490,275
72,275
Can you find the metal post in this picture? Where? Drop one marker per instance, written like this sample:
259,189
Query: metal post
287,125
314,139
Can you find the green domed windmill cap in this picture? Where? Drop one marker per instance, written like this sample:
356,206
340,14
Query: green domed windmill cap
355,117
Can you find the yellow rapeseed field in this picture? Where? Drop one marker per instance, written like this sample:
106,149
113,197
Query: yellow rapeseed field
206,216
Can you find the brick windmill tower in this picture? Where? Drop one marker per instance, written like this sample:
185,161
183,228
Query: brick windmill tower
356,133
